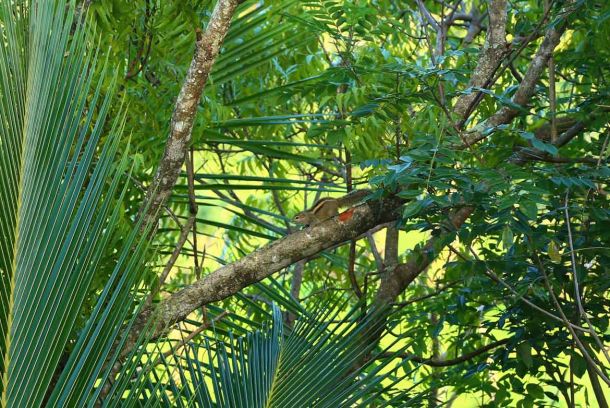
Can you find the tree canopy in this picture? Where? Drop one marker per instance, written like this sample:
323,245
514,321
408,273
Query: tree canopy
154,153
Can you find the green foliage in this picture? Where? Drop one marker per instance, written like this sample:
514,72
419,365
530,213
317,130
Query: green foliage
307,99
59,191
356,88
311,365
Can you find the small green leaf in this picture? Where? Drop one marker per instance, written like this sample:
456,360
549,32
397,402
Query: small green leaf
524,352
578,365
527,402
545,147
553,251
535,390
415,207
529,209
551,396
507,237
527,135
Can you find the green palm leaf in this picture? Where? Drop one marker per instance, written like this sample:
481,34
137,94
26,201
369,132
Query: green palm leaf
57,206
315,364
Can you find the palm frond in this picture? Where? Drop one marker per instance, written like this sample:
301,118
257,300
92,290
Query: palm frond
58,199
317,363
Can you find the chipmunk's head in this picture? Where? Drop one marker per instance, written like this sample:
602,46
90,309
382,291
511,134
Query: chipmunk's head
301,218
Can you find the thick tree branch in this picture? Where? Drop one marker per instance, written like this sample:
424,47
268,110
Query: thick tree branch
267,260
567,129
178,142
526,88
526,154
183,117
493,52
295,290
395,281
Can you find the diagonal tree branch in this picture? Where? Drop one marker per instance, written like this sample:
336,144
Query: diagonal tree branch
396,281
566,128
207,48
526,88
265,261
493,52
181,127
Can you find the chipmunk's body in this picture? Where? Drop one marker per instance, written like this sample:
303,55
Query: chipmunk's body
326,208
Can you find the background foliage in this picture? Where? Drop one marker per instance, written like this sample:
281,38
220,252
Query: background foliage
311,99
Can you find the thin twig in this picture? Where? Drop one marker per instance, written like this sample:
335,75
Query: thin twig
581,310
501,281
428,296
445,363
577,296
375,251
184,341
552,88
351,266
558,305
186,229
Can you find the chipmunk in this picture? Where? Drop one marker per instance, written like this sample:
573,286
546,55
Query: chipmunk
326,208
